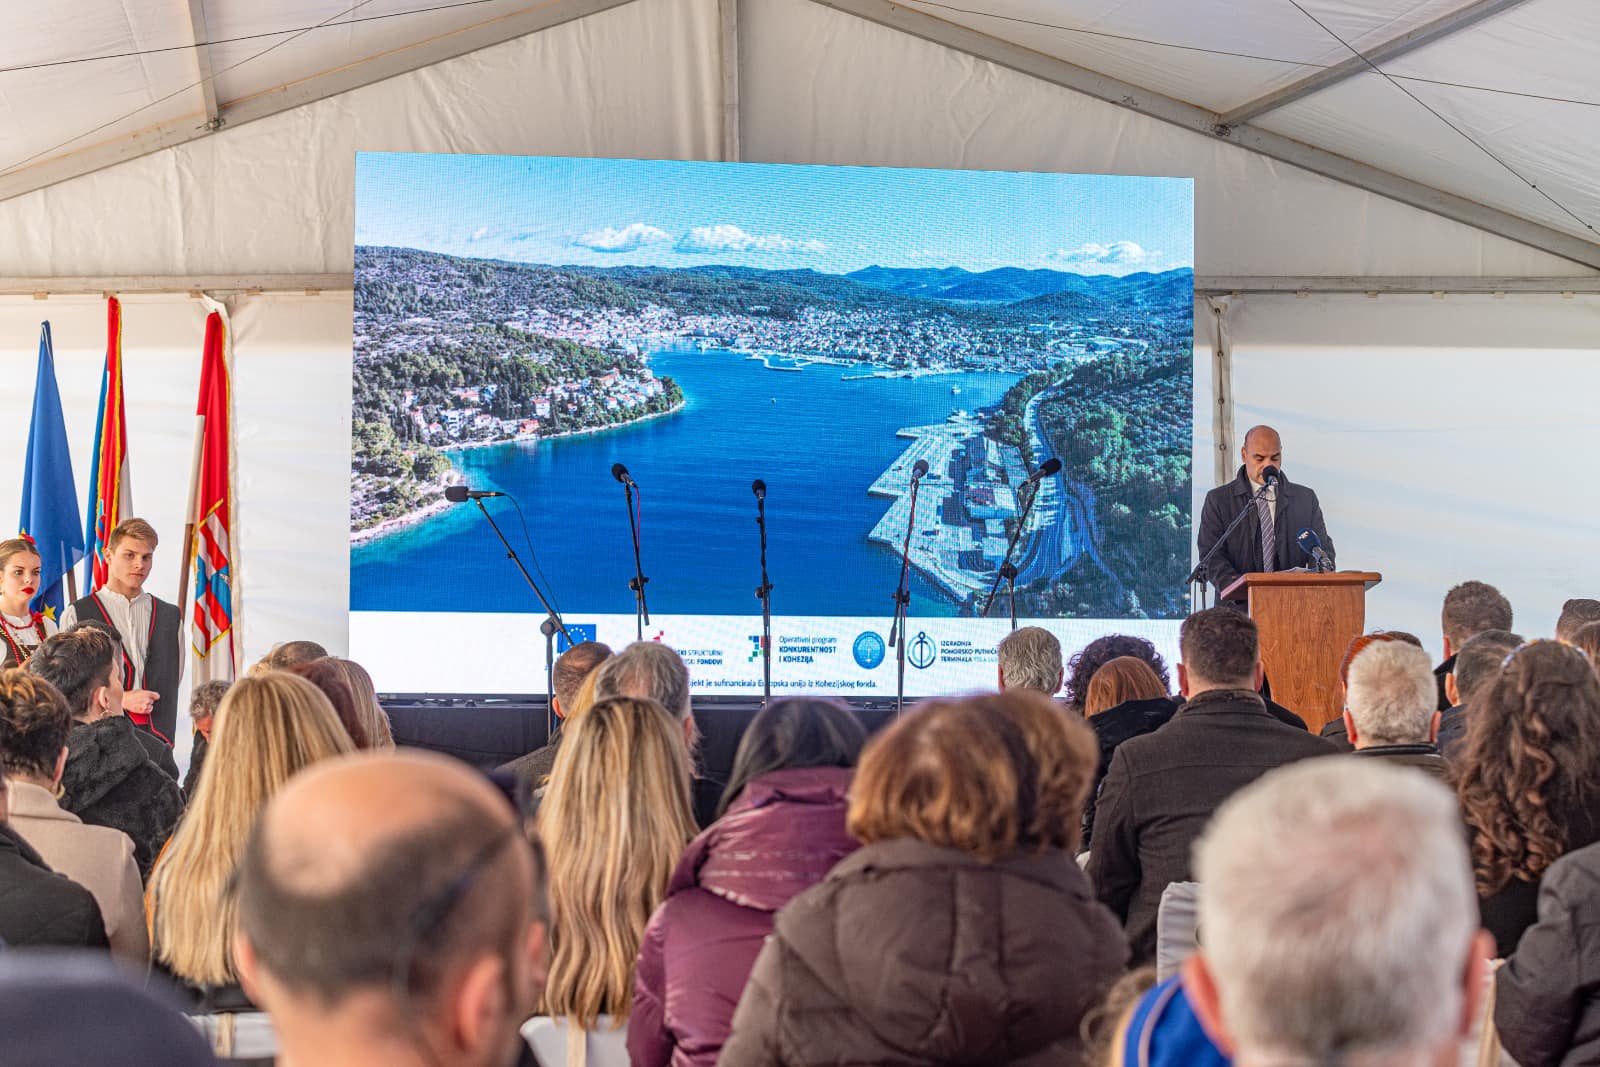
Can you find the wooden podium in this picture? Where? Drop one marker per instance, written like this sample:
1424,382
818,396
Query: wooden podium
1306,620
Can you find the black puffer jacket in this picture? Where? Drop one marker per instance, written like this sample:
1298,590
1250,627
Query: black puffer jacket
912,954
109,781
1547,996
39,907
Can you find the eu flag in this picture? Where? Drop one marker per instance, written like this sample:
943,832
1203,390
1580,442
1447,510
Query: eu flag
49,497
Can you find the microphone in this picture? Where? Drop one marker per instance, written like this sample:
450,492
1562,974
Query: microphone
458,493
1311,544
620,473
1046,469
759,488
918,469
1269,475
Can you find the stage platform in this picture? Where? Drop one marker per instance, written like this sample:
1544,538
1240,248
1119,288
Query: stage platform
488,729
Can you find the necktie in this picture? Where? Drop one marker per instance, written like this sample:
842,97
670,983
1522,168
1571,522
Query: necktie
1268,540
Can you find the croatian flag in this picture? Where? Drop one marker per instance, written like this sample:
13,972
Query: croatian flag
110,485
211,513
49,499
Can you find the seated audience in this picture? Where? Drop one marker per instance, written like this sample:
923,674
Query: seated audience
1575,614
66,1009
328,676
203,702
34,724
390,913
649,670
269,727
1389,707
1475,663
572,668
109,779
1547,996
1161,788
614,821
1084,663
158,749
1337,921
1030,658
289,654
37,906
1470,609
1125,699
1586,639
374,720
1334,730
1527,778
962,931
781,829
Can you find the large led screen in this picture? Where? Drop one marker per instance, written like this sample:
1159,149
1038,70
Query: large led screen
523,325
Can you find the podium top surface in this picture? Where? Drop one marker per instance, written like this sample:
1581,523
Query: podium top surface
1281,579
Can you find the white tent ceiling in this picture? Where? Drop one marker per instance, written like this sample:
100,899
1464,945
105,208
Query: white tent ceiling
1510,146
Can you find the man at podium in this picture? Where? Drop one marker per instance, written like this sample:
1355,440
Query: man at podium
1278,510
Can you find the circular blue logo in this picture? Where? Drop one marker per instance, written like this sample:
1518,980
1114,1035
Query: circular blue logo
868,649
921,652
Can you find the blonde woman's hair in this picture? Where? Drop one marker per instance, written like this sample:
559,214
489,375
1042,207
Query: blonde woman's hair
368,710
614,821
267,729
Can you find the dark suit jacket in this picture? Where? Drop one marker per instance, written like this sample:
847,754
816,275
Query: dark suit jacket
1161,790
1297,509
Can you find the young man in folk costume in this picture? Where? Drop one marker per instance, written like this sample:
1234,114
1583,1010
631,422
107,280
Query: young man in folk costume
21,628
150,628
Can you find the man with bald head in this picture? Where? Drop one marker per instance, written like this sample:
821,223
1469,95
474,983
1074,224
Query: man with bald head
1265,540
391,912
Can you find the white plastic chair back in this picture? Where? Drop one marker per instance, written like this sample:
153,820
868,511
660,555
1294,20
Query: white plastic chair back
1177,924
557,1044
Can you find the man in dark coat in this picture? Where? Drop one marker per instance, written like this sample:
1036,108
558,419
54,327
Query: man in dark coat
1470,608
1474,665
567,677
1547,996
37,906
1162,788
1388,707
1292,508
109,779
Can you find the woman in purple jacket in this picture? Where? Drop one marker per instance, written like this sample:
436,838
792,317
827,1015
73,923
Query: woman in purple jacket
780,830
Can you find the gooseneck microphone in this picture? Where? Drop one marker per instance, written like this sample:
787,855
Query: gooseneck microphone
458,493
620,473
1269,475
918,469
1046,469
759,488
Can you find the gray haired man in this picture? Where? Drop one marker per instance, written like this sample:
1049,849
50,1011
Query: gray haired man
1338,920
1030,658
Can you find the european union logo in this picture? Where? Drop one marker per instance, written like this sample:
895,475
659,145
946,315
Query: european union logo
580,631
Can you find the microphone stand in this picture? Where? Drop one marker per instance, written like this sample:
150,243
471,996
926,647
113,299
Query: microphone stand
641,612
1008,570
551,626
764,594
902,602
1198,575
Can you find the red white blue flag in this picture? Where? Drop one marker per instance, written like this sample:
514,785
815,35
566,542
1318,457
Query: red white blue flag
216,645
110,484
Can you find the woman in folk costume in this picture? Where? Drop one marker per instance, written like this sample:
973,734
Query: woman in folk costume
23,629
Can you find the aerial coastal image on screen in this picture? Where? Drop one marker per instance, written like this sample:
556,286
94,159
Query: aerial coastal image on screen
986,374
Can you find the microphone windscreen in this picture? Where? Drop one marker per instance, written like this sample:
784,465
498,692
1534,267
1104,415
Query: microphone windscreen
619,472
455,493
758,487
919,468
1269,472
1050,466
